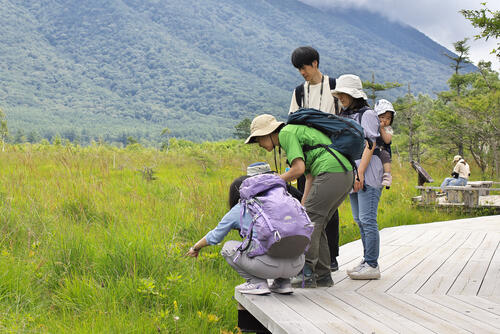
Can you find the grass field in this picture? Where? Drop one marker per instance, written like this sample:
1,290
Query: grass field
91,243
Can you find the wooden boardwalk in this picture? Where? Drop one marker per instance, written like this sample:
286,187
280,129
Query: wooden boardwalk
436,278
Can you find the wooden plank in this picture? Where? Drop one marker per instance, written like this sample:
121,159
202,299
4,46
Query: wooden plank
394,273
454,311
417,277
359,320
322,318
417,315
491,282
274,315
395,321
469,280
405,238
479,302
441,281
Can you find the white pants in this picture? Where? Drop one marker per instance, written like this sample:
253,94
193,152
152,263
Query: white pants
261,267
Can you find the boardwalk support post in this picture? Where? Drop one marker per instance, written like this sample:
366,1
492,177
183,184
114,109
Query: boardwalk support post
248,323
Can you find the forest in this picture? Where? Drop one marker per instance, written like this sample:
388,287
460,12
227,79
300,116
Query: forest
93,70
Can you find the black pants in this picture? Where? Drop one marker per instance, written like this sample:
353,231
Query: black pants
332,229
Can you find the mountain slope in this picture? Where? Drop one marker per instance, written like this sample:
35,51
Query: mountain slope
106,68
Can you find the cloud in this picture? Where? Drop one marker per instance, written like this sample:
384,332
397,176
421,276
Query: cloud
440,20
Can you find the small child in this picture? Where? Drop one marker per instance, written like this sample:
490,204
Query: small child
386,113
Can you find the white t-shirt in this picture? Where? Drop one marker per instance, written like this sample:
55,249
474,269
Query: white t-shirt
313,97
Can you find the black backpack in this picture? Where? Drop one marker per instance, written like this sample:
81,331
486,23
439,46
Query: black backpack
299,95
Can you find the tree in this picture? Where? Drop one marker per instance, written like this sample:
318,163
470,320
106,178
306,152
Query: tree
165,133
458,62
462,49
375,87
410,122
131,140
4,131
242,129
487,20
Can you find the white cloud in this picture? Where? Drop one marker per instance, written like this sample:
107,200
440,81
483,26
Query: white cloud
440,20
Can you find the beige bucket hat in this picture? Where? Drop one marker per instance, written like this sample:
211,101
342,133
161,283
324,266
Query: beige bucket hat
349,84
262,125
457,158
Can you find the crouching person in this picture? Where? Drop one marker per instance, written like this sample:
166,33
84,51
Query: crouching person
276,232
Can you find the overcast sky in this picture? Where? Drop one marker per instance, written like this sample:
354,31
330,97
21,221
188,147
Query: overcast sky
438,19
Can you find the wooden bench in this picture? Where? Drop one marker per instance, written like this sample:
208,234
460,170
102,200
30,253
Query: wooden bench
481,184
460,195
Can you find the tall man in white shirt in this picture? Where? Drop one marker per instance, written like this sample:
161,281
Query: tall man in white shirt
315,93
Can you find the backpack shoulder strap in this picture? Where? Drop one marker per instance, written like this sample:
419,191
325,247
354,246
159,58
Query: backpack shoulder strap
299,95
332,82
361,112
336,103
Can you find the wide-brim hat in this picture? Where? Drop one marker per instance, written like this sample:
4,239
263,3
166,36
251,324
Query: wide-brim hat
262,125
349,84
382,106
457,158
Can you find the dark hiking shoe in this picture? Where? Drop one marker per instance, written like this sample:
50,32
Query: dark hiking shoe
304,281
324,281
334,266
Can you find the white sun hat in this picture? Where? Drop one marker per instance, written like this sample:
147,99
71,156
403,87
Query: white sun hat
349,84
262,125
382,105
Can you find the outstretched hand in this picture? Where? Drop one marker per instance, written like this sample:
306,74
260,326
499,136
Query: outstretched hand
192,252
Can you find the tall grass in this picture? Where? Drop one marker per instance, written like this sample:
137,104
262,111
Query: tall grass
89,243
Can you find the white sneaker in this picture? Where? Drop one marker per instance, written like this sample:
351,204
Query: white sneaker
387,179
365,272
348,271
260,288
282,286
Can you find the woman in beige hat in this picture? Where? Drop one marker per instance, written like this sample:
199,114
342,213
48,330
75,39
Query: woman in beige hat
327,185
368,187
460,173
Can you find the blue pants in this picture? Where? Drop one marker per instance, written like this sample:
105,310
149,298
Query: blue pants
451,181
364,206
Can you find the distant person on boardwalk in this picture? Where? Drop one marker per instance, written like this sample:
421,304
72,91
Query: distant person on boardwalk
368,186
327,185
255,270
386,113
315,93
460,173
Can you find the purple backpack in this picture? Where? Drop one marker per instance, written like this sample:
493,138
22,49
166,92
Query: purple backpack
281,223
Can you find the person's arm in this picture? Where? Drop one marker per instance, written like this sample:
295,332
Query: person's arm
296,170
307,188
195,249
365,161
370,124
230,221
386,135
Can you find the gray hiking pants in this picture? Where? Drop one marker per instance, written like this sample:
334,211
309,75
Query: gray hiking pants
327,192
258,268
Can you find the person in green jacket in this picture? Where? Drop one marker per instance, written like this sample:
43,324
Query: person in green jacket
327,185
